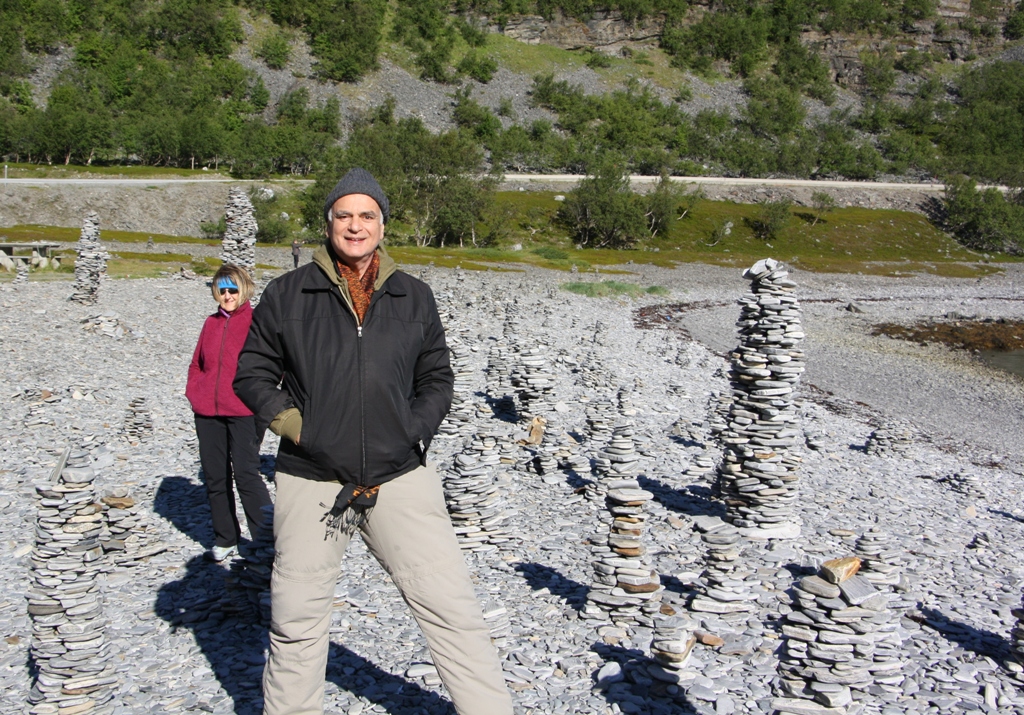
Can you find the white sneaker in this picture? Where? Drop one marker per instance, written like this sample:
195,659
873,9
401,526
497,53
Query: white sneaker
219,553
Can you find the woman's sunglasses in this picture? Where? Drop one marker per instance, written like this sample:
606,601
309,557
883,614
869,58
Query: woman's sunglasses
232,291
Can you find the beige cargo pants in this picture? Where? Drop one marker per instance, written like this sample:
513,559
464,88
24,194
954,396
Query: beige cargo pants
410,534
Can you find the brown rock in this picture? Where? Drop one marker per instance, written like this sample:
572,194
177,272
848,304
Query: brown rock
629,552
709,639
667,610
119,502
639,588
838,570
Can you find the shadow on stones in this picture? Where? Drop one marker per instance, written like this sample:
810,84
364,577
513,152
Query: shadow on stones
1008,515
635,691
356,675
687,441
981,642
233,646
576,481
935,211
185,505
502,408
692,500
540,576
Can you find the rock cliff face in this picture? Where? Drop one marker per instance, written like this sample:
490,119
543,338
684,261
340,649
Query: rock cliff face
609,33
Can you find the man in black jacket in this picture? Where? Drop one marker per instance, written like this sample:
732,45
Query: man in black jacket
347,361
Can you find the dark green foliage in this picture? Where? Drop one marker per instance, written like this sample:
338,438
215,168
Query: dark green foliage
773,109
984,220
274,50
602,211
803,70
1014,27
479,67
738,34
662,206
468,113
879,73
271,227
598,60
205,27
214,230
551,253
772,216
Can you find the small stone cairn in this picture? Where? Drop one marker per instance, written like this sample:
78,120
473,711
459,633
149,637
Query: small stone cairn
122,516
616,460
90,262
757,477
534,384
671,645
474,495
107,324
601,417
1017,634
625,588
20,274
239,243
879,560
892,439
839,638
460,417
728,582
138,422
75,673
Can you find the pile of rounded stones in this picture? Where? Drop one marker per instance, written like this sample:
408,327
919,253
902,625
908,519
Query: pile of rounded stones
880,560
758,475
239,243
122,517
891,439
20,274
534,384
90,261
671,646
75,673
601,417
474,495
840,640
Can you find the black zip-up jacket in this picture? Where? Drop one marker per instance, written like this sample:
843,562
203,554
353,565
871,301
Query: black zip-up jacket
371,396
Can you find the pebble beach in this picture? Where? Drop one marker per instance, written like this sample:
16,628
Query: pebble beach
908,456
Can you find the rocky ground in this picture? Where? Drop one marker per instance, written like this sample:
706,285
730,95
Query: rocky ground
951,504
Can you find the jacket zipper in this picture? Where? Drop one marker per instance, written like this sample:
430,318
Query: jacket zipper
220,357
362,409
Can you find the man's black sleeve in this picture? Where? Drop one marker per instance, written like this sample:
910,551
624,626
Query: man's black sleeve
261,363
433,379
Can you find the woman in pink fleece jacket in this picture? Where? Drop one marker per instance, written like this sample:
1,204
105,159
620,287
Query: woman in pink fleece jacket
229,445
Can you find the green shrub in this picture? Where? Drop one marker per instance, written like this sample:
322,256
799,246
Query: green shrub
772,216
551,253
274,50
879,73
478,66
1014,27
984,220
608,289
214,230
602,211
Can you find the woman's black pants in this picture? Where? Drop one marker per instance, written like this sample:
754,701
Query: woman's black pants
229,450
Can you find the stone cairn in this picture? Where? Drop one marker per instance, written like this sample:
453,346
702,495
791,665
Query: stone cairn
618,459
239,243
474,495
728,583
625,588
90,262
74,669
758,477
460,417
839,638
21,274
1017,634
891,439
138,422
107,324
121,516
671,645
879,560
534,384
601,416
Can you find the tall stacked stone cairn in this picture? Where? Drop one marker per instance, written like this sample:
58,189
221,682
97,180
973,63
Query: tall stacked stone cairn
757,477
601,417
728,582
138,422
476,503
616,460
460,417
90,261
74,670
841,642
625,588
891,439
239,243
21,274
534,383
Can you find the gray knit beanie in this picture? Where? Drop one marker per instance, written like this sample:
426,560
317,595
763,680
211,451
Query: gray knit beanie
358,181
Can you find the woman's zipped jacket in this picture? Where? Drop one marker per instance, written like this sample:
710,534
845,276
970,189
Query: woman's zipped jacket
214,362
370,396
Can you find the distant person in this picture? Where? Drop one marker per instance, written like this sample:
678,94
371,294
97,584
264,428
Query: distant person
229,443
347,360
296,251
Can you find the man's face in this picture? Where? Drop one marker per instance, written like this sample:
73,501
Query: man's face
355,230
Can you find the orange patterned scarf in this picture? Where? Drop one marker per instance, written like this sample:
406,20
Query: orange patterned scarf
361,289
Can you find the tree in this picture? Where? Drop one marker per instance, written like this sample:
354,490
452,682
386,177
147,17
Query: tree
602,211
76,123
772,216
823,203
662,205
984,220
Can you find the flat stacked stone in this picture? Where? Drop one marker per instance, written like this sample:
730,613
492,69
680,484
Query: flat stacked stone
476,504
671,645
700,467
758,475
138,422
625,588
601,418
239,243
534,383
121,515
500,360
73,659
498,622
840,639
728,582
107,324
892,439
966,483
616,460
880,560
718,413
460,418
90,261
20,274
251,572
1017,634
